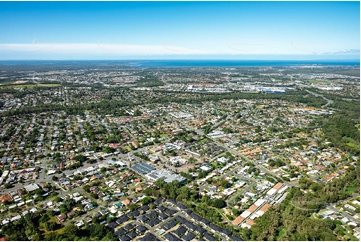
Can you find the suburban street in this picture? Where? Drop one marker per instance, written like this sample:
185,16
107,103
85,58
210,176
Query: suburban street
344,214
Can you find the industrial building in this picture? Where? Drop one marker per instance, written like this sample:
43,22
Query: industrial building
164,174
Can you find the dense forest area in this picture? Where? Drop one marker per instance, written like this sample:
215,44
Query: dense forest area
343,132
149,81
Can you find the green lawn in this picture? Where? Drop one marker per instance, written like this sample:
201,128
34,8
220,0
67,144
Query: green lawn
202,140
350,189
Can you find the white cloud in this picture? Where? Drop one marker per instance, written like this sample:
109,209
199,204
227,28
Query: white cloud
106,50
100,48
349,51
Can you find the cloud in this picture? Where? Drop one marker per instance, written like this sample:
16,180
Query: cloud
349,51
239,49
99,49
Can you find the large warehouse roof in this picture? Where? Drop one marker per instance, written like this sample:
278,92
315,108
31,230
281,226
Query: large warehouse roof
166,175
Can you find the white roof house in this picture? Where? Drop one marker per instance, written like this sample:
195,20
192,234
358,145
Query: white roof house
16,218
245,214
31,187
259,202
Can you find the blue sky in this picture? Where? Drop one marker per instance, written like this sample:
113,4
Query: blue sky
179,30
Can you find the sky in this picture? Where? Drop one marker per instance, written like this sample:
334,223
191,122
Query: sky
179,30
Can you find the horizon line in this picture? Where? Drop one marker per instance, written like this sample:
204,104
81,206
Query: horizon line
180,59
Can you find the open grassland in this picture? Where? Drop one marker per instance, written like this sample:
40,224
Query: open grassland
29,86
318,81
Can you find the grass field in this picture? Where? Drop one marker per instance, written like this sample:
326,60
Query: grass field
318,81
349,72
42,225
29,86
350,189
202,140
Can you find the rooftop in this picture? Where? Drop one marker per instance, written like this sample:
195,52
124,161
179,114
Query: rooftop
238,220
31,187
164,174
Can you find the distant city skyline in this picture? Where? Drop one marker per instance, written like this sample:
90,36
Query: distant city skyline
179,30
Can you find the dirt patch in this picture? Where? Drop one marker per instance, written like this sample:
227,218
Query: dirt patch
184,168
19,82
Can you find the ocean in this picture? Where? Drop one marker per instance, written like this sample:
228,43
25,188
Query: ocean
29,64
237,63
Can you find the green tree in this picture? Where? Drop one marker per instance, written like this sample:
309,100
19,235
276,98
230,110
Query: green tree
80,158
70,231
97,231
225,184
219,203
146,200
51,226
137,112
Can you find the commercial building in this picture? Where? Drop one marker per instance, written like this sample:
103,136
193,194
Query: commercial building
164,174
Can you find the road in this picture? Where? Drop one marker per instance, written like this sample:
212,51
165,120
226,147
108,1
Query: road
261,168
220,122
242,191
234,152
344,214
43,177
227,174
329,102
158,227
325,172
42,172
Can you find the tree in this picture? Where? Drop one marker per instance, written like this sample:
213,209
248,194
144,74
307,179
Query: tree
146,200
225,184
184,193
38,236
87,187
109,237
51,226
70,231
80,158
107,149
132,207
219,203
206,199
97,231
137,112
192,160
44,218
52,236
7,185
160,183
50,212
63,209
235,212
